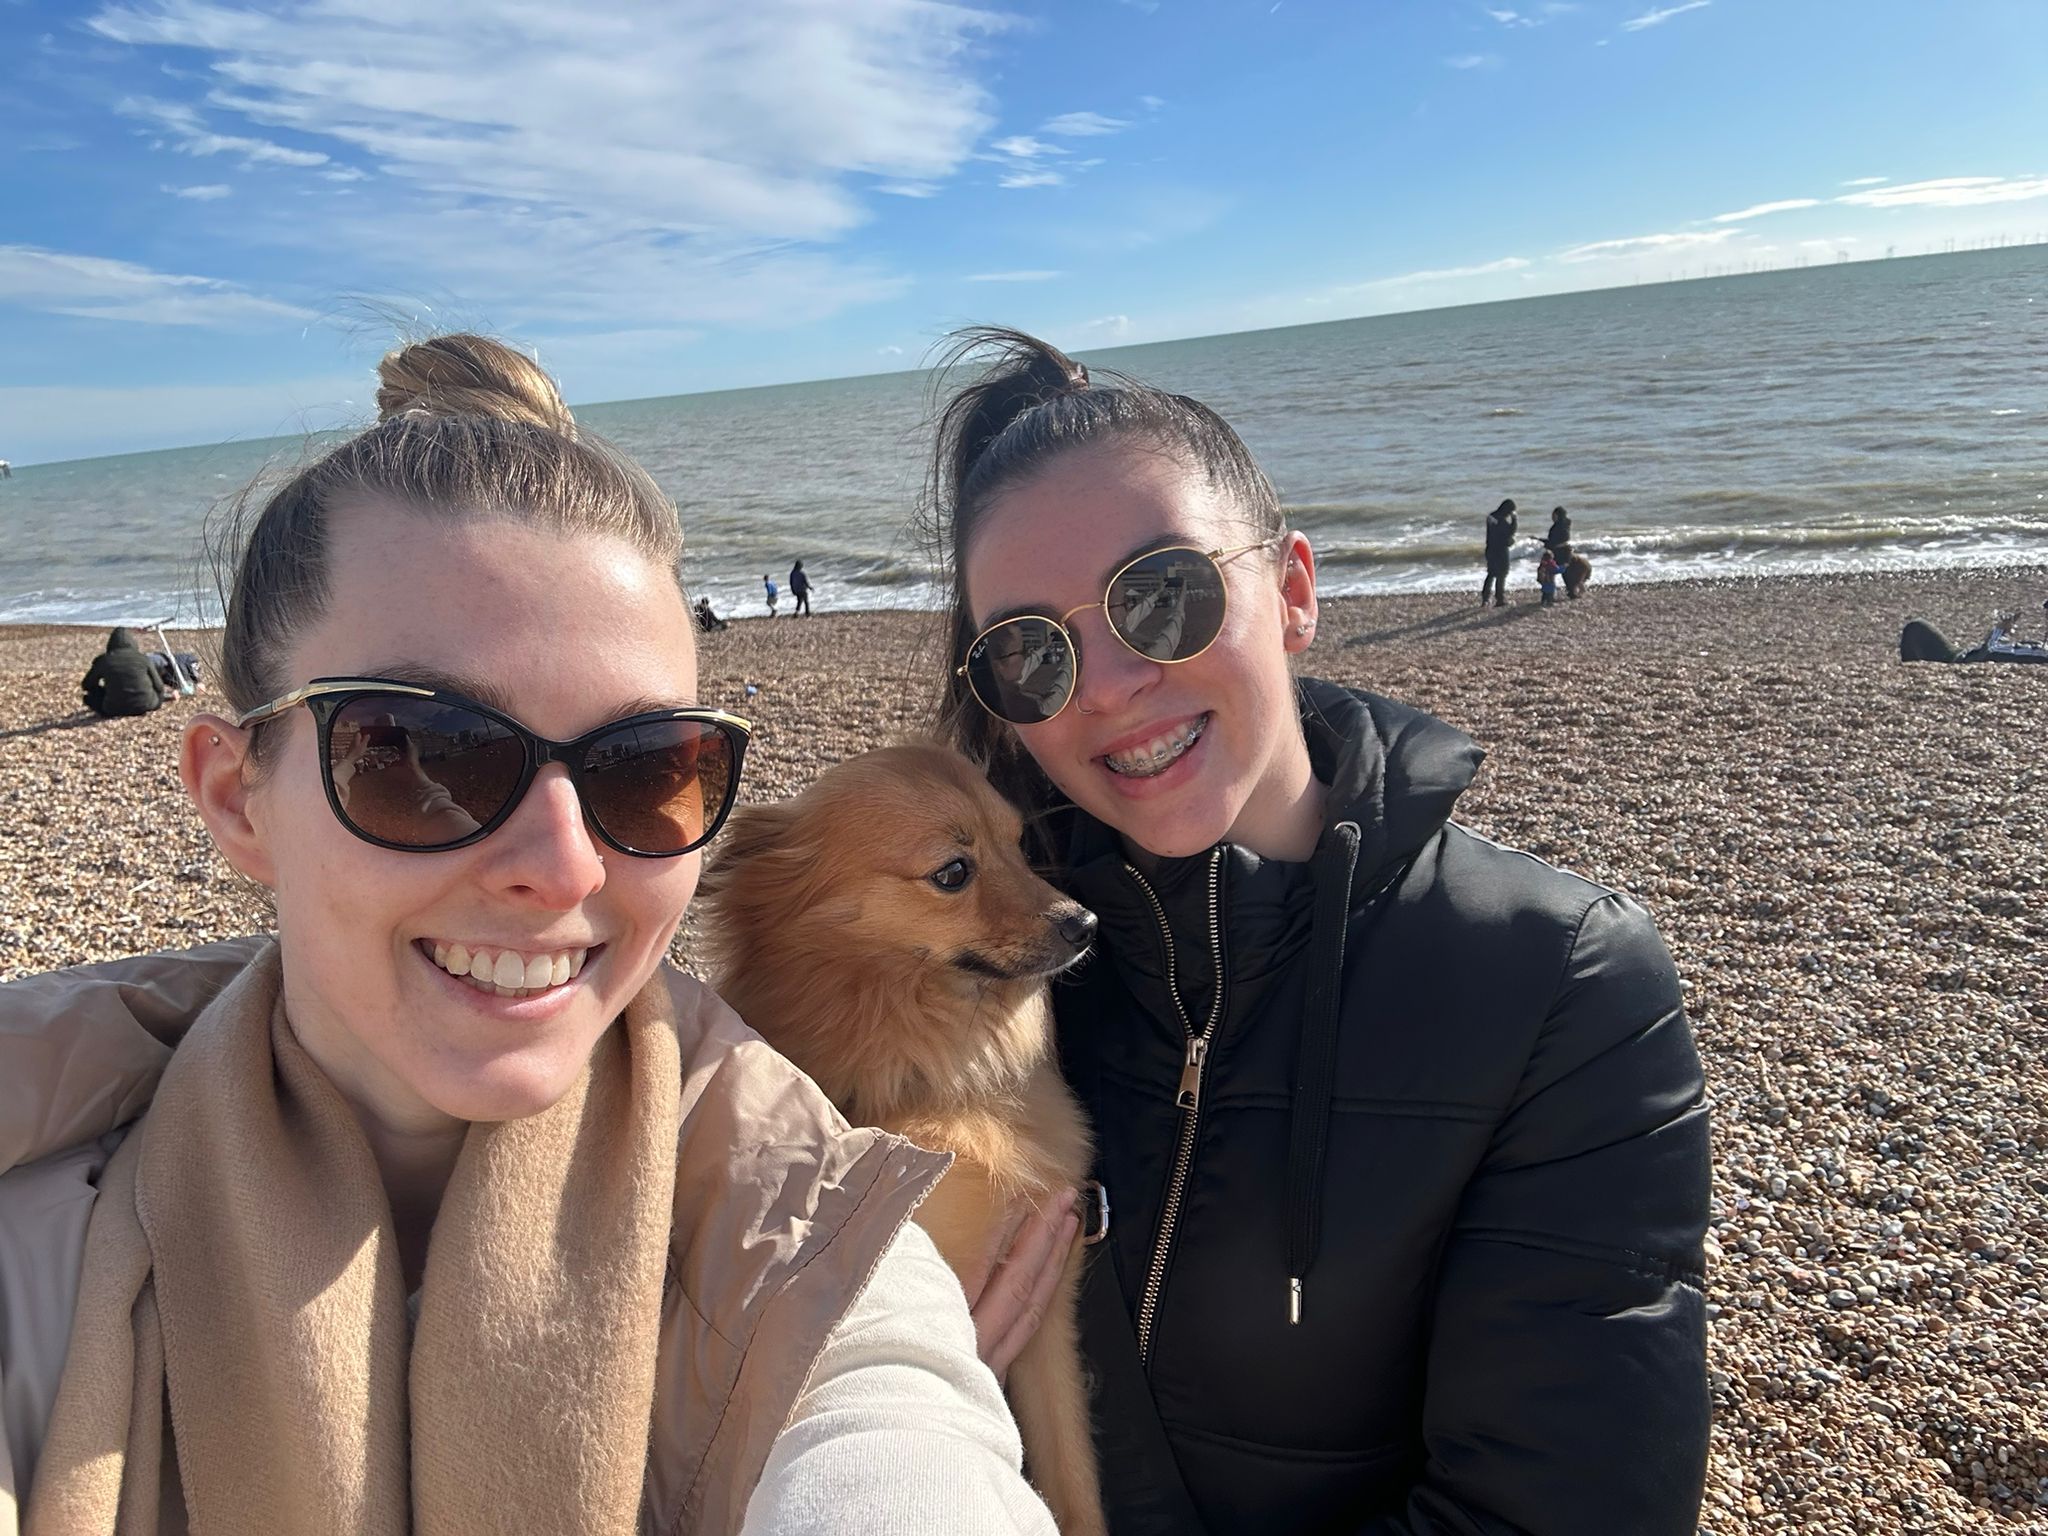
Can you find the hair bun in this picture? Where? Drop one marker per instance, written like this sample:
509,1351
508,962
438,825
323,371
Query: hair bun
469,375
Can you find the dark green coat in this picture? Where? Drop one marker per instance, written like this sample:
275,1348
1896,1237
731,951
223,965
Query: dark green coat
121,681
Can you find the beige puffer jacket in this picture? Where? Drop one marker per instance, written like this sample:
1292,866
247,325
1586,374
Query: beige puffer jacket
781,1213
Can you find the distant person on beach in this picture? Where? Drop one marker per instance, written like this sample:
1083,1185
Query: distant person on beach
1308,972
1546,577
455,1207
121,680
1500,539
706,619
800,591
768,586
1559,539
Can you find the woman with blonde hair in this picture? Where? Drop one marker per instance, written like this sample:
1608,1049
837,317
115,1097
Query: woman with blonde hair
455,1211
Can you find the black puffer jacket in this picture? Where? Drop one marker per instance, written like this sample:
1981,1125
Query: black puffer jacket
1449,1089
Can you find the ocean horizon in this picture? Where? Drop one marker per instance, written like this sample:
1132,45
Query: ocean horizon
1878,415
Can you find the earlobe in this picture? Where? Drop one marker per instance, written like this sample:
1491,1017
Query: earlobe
213,763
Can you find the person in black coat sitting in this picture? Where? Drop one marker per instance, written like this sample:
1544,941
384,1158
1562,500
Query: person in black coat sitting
121,680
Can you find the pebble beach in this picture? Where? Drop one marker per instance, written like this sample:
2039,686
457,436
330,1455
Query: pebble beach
1847,855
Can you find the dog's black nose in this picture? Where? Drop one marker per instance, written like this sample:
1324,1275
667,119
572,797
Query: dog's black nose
1078,928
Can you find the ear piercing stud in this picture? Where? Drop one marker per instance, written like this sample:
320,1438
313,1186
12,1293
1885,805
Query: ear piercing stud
1302,629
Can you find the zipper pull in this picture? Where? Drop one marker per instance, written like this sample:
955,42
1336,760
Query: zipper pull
1190,1096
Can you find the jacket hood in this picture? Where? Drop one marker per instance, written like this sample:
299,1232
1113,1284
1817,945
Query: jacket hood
1394,771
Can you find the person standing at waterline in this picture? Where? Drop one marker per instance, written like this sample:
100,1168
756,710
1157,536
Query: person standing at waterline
667,1287
1403,1132
1500,541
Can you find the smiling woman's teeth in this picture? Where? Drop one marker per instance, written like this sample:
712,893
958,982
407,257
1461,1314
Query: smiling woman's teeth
1158,754
507,973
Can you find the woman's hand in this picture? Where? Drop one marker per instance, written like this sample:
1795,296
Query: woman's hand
1009,1292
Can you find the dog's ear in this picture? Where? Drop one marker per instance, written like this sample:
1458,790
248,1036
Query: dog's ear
752,834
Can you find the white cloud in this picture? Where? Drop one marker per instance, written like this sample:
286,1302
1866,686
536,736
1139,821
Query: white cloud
1473,61
1031,179
46,422
1376,285
205,194
1646,245
1151,103
1757,212
1112,327
1658,18
1021,146
1867,181
692,117
889,351
655,163
189,135
1081,125
98,288
344,173
1952,192
1034,276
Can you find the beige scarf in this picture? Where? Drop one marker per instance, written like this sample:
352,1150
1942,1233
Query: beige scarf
241,1269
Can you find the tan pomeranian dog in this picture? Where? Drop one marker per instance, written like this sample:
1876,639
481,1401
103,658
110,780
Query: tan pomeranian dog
884,931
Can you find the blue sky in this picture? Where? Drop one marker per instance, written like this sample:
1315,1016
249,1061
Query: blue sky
213,208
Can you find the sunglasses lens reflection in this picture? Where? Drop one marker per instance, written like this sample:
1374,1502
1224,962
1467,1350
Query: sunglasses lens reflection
1168,606
1022,670
419,773
660,786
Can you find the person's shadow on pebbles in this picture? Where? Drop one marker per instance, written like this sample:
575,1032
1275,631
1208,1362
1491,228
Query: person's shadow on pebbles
1445,624
61,723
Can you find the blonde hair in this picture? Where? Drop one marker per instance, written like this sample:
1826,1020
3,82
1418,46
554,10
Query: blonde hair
467,428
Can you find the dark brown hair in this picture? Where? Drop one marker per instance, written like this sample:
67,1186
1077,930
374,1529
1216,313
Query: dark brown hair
467,428
1029,404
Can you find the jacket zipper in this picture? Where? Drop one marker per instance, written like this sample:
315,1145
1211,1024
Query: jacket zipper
1189,1098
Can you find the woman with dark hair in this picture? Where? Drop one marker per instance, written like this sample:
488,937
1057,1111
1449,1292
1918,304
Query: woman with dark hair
1402,1132
1558,537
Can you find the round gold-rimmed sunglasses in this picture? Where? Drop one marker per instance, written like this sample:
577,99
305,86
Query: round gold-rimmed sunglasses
1166,606
425,770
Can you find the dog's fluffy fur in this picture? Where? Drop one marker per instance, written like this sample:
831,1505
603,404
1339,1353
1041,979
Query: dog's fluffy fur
923,1010
1577,572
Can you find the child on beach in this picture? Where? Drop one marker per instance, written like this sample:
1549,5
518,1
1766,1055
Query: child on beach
768,586
456,1209
1283,1007
1546,577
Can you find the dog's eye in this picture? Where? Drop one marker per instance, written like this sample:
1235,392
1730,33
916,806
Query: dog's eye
952,875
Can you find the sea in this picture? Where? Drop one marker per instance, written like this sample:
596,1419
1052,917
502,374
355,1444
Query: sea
1867,416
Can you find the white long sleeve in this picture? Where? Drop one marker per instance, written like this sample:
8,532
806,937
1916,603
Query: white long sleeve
902,1428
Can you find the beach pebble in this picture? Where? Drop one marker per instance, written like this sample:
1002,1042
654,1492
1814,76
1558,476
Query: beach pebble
1848,857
